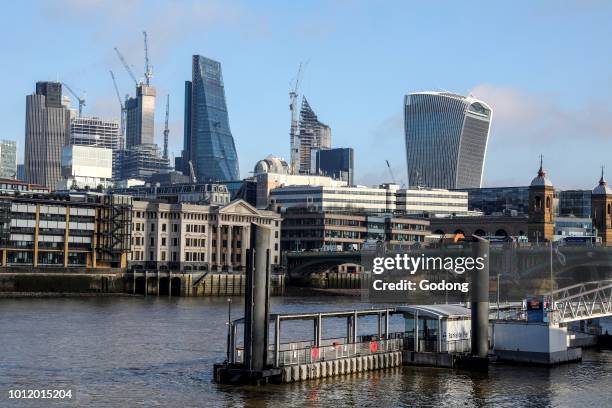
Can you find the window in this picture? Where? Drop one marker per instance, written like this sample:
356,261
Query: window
174,241
163,255
163,241
163,227
152,227
152,241
174,227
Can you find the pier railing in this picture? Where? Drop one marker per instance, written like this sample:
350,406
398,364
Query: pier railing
312,354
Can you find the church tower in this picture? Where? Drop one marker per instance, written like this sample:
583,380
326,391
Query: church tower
540,226
601,209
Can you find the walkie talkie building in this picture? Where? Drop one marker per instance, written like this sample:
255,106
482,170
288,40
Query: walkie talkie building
446,139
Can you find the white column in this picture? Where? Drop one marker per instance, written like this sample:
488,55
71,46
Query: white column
229,245
243,246
219,243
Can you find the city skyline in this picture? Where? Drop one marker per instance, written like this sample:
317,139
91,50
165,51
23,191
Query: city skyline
553,103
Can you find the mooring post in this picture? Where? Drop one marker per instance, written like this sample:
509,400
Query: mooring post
480,298
257,299
319,329
387,324
277,341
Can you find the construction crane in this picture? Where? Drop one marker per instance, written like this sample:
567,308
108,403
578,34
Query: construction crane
121,104
166,129
294,131
148,74
126,66
81,100
390,172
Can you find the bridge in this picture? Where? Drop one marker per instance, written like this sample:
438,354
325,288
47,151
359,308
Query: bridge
589,300
301,264
524,269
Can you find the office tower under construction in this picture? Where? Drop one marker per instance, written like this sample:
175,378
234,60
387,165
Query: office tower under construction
138,162
95,132
313,135
140,117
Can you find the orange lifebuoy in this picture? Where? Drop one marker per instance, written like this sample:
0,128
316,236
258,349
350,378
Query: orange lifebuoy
373,346
314,353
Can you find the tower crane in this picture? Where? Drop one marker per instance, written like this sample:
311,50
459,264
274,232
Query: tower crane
166,129
148,74
121,104
79,99
126,66
391,172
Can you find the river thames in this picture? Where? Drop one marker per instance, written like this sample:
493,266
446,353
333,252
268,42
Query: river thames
129,351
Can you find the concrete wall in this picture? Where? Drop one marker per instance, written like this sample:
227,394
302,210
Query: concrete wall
529,337
61,283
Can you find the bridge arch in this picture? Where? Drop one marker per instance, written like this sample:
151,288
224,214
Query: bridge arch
480,232
501,233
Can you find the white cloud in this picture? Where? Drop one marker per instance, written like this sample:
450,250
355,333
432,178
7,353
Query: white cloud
526,124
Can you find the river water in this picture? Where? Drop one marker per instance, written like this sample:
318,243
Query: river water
130,351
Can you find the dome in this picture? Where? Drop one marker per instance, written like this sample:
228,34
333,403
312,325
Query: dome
271,164
541,180
602,188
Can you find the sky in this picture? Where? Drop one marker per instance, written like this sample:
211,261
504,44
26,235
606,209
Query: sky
545,67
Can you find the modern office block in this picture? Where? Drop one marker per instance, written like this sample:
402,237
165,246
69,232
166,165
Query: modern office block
446,139
208,141
21,172
86,167
335,163
47,130
8,159
499,200
95,132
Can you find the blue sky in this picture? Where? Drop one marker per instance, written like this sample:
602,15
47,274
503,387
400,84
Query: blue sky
545,67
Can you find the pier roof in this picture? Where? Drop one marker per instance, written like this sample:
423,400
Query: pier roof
437,311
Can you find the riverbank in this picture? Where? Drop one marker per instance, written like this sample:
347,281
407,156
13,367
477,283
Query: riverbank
308,291
17,295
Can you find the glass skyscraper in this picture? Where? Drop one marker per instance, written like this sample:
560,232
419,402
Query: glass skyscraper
208,141
446,139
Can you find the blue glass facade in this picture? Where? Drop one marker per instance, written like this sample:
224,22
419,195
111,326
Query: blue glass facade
208,141
446,139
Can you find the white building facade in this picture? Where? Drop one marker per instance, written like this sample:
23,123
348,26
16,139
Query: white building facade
388,198
192,237
86,167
